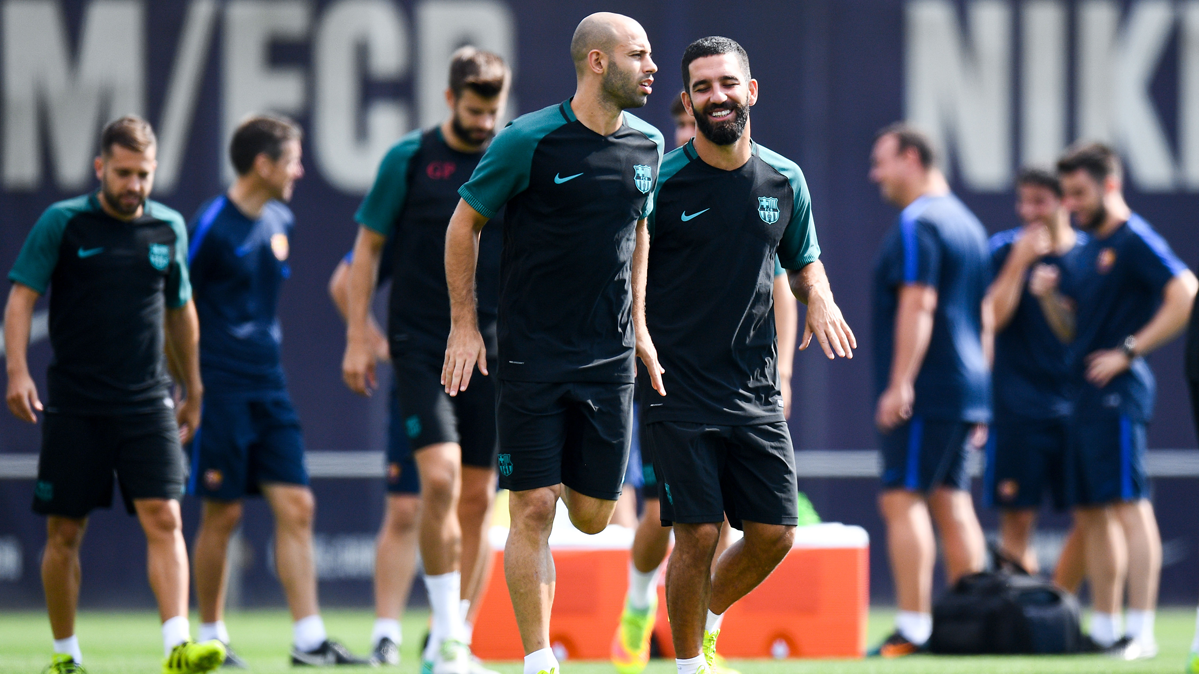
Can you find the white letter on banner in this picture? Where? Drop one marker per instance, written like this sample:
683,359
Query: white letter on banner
1044,117
346,156
183,91
105,81
443,27
1188,93
962,89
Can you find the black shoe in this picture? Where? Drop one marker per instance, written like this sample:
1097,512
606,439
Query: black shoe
386,652
895,646
328,653
232,661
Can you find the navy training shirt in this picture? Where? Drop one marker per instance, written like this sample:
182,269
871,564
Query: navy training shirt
1031,377
1116,284
937,242
238,266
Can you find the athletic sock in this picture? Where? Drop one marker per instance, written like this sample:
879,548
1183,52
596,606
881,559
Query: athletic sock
914,626
308,633
469,631
713,622
690,665
216,630
1138,625
69,646
1194,642
174,632
541,661
642,588
1105,628
463,606
445,591
385,628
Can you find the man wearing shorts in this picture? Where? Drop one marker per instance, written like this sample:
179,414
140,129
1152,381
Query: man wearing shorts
576,179
453,438
117,263
250,442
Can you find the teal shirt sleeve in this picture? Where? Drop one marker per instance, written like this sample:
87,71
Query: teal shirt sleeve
385,201
655,135
503,172
39,255
778,268
178,289
798,247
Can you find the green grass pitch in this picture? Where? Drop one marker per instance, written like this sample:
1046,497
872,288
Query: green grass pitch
129,643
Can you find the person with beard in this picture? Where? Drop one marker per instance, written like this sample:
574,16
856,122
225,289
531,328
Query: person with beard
117,263
720,441
453,439
931,375
1128,294
577,181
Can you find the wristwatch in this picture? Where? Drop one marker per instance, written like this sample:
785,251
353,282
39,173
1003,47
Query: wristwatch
1129,347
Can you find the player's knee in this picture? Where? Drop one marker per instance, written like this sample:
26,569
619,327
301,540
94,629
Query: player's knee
403,514
474,504
64,534
776,541
699,537
299,510
535,507
159,517
221,518
591,523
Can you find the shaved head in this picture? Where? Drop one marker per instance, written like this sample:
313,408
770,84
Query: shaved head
601,31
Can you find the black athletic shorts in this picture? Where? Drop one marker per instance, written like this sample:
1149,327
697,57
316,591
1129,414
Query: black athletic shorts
430,416
573,433
245,442
80,454
1026,459
709,471
923,454
649,478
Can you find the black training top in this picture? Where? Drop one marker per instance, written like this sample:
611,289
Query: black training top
414,195
709,299
573,201
111,281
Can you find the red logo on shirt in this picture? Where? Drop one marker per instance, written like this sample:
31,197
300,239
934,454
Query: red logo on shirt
1105,261
440,170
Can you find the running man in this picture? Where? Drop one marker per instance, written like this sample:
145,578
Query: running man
720,439
117,263
1031,375
453,438
1130,295
577,179
931,375
631,643
251,443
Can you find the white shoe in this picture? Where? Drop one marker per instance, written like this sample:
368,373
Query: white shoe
477,666
452,657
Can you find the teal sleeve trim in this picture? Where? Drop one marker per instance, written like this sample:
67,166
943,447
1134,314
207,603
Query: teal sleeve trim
778,268
799,246
503,172
178,288
655,135
39,254
385,201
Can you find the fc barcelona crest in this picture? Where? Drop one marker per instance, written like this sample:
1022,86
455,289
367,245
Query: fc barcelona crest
160,255
768,209
642,177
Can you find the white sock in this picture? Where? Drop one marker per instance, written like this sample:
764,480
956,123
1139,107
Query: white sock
1138,625
690,665
307,634
174,632
643,588
469,630
385,627
913,626
445,591
1105,628
216,630
713,622
69,646
541,661
1194,642
463,607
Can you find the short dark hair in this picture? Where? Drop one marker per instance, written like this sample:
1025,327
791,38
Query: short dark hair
260,134
910,137
1038,176
480,71
1097,159
130,132
713,45
677,109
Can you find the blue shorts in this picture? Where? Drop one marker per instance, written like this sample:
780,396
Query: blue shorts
243,442
1105,460
923,454
402,476
1025,459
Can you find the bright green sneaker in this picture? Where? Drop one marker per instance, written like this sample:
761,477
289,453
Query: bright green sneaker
190,657
716,664
630,644
1193,663
62,663
452,657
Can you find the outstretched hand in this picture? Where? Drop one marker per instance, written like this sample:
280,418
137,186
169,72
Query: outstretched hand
825,322
464,349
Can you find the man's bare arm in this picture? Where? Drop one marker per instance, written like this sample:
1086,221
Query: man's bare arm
183,335
18,319
1057,308
645,344
358,363
786,321
913,333
1008,287
339,292
465,347
824,319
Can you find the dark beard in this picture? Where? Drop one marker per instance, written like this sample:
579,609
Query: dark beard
727,132
114,202
1096,221
466,135
622,89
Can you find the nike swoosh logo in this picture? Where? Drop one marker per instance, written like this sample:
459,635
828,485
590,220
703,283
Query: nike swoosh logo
89,251
688,218
558,180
